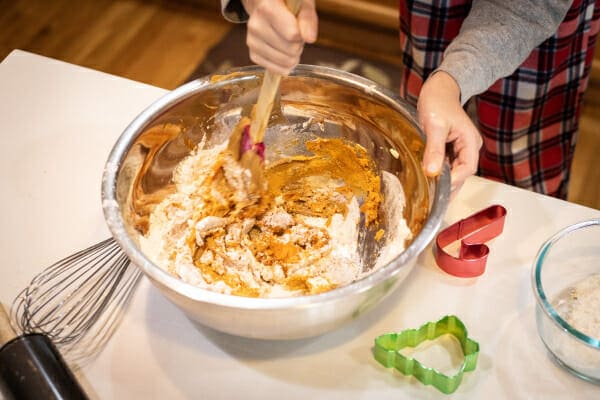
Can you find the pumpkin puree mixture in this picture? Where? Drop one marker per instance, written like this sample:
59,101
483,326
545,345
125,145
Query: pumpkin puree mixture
297,235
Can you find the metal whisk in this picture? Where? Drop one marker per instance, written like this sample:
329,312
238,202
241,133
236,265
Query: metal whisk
78,301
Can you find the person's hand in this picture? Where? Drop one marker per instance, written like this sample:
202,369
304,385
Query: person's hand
275,37
445,121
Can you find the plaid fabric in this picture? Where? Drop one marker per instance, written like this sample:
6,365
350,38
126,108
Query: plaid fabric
528,120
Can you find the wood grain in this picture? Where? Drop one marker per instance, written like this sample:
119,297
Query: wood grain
584,187
155,42
160,42
381,13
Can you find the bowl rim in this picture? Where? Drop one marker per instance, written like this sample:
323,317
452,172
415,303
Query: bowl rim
538,288
114,220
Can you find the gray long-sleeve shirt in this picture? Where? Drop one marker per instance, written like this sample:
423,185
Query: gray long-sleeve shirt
495,38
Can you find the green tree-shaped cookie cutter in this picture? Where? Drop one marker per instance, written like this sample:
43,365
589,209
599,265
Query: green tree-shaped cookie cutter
387,352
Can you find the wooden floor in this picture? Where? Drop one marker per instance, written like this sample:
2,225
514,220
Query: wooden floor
160,42
149,41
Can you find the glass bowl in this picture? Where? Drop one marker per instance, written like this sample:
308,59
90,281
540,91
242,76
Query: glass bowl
566,283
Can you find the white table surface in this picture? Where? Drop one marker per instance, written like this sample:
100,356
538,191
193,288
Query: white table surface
59,122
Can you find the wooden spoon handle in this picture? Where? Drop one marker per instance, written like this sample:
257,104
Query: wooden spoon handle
268,90
293,5
264,105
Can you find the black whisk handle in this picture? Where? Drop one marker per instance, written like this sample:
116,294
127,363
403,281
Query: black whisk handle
32,368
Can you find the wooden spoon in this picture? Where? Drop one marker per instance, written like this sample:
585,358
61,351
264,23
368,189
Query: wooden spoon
246,141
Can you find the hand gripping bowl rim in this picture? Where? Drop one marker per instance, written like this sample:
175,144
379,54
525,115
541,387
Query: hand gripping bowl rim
115,223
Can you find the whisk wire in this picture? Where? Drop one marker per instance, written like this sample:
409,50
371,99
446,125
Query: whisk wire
92,294
59,282
78,301
66,278
94,341
97,298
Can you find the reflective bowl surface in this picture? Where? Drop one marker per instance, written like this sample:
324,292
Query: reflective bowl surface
314,101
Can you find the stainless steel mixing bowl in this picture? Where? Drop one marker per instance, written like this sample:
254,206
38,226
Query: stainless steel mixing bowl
314,101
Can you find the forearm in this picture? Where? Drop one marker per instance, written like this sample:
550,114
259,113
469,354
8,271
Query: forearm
496,38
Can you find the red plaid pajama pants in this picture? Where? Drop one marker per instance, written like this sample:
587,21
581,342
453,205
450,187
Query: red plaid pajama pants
528,120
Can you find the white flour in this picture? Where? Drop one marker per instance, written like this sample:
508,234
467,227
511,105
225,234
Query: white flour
328,257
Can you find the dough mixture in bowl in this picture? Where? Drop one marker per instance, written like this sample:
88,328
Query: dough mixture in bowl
297,235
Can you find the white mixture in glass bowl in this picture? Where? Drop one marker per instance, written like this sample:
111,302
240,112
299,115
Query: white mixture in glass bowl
579,305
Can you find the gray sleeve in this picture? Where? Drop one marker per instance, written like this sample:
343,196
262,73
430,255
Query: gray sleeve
496,37
233,11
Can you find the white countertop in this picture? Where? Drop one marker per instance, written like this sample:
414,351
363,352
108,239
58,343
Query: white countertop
59,122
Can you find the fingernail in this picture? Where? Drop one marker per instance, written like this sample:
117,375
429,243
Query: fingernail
432,169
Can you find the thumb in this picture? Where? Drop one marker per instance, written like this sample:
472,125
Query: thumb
436,131
308,22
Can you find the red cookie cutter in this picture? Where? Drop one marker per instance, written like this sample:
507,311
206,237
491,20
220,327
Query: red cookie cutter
474,231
